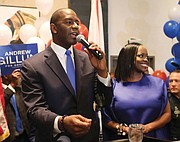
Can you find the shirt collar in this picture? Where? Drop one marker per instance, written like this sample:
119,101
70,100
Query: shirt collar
8,86
59,50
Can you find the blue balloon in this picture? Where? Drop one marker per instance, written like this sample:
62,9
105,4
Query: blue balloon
171,28
178,35
176,50
176,62
170,67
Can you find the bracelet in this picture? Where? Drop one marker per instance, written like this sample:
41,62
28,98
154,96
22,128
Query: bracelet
62,123
119,128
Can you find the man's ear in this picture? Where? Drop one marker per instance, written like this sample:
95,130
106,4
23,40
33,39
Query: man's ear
53,28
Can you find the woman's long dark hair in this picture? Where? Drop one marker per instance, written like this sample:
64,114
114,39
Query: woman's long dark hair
125,63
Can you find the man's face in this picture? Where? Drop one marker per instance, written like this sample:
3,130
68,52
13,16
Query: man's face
174,83
67,28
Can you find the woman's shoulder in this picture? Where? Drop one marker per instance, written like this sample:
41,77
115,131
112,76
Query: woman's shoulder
153,78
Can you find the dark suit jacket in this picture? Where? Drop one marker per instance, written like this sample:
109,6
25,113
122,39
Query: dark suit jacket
10,112
48,92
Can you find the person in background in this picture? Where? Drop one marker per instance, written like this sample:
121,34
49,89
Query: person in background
15,108
61,110
138,97
174,99
4,130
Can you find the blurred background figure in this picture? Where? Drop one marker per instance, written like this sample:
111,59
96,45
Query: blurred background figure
138,97
4,130
174,99
15,108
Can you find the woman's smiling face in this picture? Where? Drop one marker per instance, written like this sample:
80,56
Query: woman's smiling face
141,59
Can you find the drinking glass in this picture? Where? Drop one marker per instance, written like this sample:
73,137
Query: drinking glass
135,133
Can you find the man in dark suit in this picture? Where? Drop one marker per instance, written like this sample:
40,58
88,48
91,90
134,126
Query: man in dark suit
13,96
57,110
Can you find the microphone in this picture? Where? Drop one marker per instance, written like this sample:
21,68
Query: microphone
80,39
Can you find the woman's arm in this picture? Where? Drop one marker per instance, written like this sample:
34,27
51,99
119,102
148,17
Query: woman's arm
120,129
160,121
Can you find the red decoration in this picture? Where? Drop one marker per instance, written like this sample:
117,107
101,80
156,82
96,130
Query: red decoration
48,43
78,46
160,74
83,30
2,102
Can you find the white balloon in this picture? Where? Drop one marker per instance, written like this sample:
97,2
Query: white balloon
5,34
40,43
174,13
27,31
39,22
150,70
45,32
44,6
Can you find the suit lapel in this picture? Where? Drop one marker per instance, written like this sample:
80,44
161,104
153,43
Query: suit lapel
53,62
79,62
8,91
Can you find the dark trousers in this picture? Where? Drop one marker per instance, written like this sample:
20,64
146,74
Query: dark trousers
22,138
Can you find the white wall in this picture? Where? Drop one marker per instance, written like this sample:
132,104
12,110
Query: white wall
143,19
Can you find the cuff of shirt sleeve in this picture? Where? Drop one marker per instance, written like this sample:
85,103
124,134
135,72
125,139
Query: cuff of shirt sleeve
106,81
56,128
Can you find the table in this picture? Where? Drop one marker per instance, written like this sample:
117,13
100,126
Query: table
145,139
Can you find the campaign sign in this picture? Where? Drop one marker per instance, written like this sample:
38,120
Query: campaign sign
11,56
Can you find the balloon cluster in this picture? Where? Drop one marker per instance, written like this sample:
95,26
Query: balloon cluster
5,34
28,33
39,32
171,27
42,26
172,30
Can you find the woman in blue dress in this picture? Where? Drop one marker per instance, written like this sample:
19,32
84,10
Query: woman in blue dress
138,97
